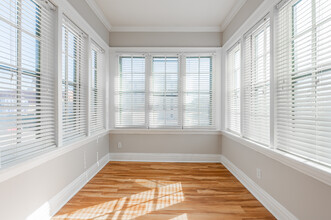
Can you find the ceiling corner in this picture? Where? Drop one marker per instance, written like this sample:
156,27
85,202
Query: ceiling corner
95,8
232,13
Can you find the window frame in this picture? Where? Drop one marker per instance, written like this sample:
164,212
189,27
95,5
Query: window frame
80,101
230,68
212,91
260,27
150,52
310,168
61,7
165,92
22,71
118,91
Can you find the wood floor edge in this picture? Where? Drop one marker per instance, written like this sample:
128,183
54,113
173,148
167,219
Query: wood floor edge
279,211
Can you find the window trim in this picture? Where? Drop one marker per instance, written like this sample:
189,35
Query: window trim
236,47
21,72
20,166
162,131
251,34
309,168
215,52
164,93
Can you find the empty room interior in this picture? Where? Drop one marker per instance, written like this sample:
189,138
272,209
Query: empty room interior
165,109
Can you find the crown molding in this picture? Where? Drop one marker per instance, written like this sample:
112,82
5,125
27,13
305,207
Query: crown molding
166,29
232,13
96,9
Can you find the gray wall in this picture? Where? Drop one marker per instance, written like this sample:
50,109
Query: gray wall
165,39
166,143
304,196
25,193
87,13
247,9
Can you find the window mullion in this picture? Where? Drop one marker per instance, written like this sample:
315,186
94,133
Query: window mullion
181,94
272,88
58,80
148,75
165,93
19,72
89,103
242,86
314,65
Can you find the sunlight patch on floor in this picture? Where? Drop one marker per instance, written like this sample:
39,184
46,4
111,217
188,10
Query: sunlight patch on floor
160,197
181,217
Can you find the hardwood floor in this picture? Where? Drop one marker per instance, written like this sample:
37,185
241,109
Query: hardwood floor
177,191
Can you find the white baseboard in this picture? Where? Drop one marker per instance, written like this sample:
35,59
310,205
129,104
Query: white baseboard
279,211
51,207
165,157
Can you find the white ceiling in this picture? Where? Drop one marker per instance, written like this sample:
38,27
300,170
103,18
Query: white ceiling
166,15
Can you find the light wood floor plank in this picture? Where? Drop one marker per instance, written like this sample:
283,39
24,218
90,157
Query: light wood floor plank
157,191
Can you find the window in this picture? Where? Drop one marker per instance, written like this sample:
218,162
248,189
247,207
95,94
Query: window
256,106
198,93
74,81
164,99
304,79
233,89
155,92
27,117
97,89
130,92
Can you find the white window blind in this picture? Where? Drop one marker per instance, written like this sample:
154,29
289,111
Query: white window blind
164,95
233,89
256,106
97,121
304,79
198,92
130,92
27,116
74,81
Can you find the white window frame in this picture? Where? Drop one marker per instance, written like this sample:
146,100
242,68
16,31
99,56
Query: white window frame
64,7
149,83
252,33
315,170
37,75
237,47
182,52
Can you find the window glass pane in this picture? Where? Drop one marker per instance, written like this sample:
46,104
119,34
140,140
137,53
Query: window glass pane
75,84
30,53
8,44
164,92
130,92
256,112
198,100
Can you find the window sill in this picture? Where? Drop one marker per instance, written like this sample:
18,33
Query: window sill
27,164
315,170
163,131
